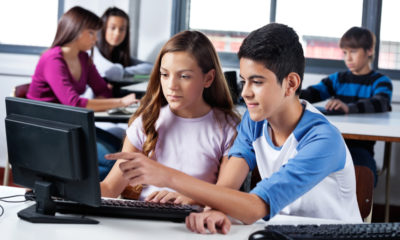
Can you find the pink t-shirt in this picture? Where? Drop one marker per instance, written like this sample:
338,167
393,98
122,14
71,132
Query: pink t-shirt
194,146
53,82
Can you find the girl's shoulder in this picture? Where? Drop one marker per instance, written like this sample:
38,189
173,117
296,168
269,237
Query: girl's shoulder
51,53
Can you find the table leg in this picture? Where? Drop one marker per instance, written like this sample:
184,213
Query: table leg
386,157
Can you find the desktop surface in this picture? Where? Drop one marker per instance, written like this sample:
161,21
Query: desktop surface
13,228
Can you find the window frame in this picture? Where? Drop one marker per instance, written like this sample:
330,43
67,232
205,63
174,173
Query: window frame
29,49
371,19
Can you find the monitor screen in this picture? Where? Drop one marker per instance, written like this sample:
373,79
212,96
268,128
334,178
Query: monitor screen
52,150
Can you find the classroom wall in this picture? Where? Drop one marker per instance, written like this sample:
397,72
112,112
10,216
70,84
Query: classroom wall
154,29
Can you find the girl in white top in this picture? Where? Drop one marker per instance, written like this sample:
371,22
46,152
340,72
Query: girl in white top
112,53
185,120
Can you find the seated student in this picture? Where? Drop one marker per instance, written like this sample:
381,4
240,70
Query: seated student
304,163
65,69
112,53
357,90
185,120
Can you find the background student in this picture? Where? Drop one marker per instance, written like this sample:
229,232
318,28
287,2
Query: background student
305,166
185,120
112,52
357,90
65,69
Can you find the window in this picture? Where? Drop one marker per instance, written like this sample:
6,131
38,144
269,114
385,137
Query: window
228,22
319,24
33,25
389,45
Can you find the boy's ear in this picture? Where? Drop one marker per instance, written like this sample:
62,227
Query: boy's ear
370,52
293,81
209,78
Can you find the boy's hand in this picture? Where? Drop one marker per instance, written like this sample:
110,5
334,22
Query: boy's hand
214,221
139,169
336,104
167,196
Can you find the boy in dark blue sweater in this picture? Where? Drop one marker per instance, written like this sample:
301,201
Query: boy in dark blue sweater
357,90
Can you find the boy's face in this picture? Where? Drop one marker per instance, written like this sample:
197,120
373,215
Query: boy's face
357,60
261,91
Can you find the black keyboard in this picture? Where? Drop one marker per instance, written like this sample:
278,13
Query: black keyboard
330,231
130,209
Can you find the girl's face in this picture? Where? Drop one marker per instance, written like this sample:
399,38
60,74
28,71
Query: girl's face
116,29
183,82
357,60
87,39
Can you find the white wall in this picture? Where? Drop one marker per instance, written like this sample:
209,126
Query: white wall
154,30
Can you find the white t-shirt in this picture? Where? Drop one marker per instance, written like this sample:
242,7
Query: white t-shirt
194,146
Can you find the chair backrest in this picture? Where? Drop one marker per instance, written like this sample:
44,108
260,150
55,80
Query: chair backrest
20,90
365,189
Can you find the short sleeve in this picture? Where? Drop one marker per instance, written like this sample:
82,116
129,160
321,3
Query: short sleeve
135,134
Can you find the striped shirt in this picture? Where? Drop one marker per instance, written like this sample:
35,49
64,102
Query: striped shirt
362,93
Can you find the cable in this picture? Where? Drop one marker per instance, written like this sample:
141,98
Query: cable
2,199
2,211
13,196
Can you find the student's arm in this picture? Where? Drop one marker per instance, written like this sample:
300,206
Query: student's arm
321,91
114,183
232,174
103,104
243,206
380,101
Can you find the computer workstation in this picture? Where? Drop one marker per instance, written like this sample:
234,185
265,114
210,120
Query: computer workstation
52,150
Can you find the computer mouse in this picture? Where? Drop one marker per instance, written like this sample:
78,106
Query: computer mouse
267,235
325,111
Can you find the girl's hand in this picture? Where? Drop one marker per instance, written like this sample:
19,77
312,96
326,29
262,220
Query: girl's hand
129,100
139,169
336,104
167,196
213,220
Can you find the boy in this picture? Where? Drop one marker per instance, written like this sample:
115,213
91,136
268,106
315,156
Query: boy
305,166
357,90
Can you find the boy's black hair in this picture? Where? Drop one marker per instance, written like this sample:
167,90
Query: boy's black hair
276,46
358,37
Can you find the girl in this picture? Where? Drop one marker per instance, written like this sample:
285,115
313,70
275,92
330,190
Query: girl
111,56
65,69
185,119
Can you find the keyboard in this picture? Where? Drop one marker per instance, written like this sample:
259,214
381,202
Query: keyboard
330,231
330,112
122,208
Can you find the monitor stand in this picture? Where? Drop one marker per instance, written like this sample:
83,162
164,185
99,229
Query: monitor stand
45,208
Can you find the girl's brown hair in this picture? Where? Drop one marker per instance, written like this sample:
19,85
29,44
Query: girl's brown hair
217,95
72,23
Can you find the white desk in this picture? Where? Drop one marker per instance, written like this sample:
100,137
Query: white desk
374,127
13,228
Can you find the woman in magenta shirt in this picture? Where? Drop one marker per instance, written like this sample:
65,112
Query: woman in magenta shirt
64,70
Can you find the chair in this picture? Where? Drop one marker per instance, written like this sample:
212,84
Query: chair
18,91
364,189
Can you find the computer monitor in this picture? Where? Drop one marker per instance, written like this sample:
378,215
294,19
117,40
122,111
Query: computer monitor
52,150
